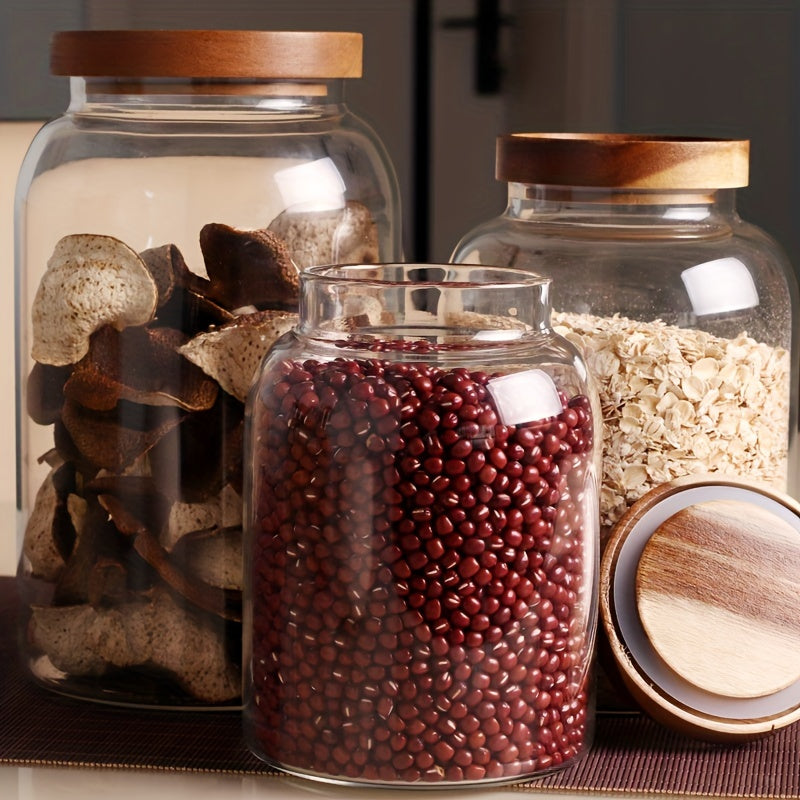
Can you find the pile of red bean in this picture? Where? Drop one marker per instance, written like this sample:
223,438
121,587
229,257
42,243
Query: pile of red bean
422,575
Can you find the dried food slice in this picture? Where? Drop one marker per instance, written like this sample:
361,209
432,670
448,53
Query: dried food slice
45,392
188,307
345,236
83,640
248,268
221,602
51,458
359,311
97,540
137,511
141,365
232,353
165,264
190,311
90,281
196,459
107,582
223,511
65,451
138,501
50,532
114,439
214,556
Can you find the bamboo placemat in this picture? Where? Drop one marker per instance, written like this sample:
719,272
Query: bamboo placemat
631,754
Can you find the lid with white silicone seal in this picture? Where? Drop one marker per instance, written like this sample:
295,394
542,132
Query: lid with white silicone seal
700,601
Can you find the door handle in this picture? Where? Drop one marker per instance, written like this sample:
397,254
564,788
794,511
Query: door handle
487,21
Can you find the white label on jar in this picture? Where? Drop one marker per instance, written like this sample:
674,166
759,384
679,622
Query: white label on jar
718,286
525,397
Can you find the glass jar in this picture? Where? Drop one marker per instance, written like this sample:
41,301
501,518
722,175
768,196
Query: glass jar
423,532
161,225
687,315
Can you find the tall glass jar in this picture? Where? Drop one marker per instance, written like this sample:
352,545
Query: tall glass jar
423,532
161,225
687,314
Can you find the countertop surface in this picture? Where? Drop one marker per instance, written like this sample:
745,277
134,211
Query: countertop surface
52,746
56,783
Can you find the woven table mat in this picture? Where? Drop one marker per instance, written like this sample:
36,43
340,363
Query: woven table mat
631,754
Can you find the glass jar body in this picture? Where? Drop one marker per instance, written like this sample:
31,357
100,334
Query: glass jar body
687,317
160,230
423,533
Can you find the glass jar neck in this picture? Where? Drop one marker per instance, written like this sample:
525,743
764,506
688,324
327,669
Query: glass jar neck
441,303
533,201
198,97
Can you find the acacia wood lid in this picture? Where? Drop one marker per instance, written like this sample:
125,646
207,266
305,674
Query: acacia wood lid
617,160
207,54
700,601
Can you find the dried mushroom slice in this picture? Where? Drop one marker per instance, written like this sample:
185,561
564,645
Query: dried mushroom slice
108,582
223,511
222,602
65,451
134,520
83,640
45,393
344,236
360,310
50,533
231,354
248,268
90,281
214,556
196,459
140,365
86,577
131,501
190,311
165,264
114,439
183,302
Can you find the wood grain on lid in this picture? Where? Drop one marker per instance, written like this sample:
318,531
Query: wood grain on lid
207,54
611,160
718,593
689,557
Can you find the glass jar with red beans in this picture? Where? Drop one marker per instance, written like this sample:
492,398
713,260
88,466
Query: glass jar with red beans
422,517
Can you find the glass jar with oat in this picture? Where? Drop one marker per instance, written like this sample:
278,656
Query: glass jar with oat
686,313
162,222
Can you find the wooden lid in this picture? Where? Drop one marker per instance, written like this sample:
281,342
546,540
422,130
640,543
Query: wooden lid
616,160
207,54
700,601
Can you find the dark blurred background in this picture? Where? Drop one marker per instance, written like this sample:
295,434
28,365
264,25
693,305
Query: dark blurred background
443,77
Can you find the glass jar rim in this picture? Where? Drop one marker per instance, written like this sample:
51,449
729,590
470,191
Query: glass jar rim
449,275
207,54
622,160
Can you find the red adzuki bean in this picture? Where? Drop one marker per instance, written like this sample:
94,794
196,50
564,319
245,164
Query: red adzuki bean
417,575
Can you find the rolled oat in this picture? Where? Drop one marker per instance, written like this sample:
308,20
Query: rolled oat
681,401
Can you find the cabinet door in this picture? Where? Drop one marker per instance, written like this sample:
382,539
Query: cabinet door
720,68
469,109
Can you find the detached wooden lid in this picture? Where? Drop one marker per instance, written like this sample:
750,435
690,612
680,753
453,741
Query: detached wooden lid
207,54
700,600
617,160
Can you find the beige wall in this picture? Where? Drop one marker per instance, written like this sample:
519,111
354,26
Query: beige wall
14,140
